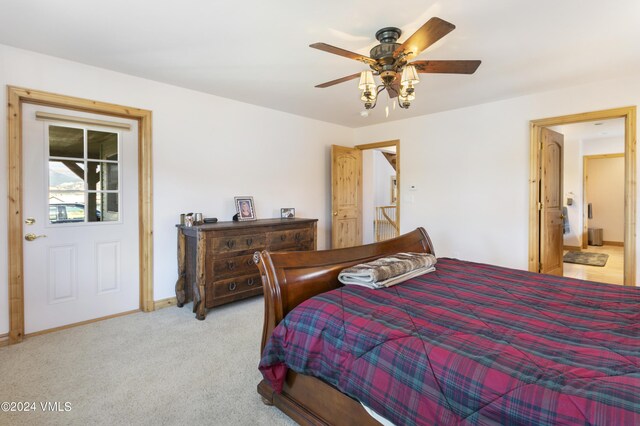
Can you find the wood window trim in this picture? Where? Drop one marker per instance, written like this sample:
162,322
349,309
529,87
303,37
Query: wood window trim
16,96
385,144
629,114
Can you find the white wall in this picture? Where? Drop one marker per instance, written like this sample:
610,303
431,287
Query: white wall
368,195
574,150
471,168
206,149
572,186
384,171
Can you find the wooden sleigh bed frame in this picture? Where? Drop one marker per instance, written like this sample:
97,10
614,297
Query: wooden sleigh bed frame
288,280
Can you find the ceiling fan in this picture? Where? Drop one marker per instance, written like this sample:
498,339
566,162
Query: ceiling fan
390,61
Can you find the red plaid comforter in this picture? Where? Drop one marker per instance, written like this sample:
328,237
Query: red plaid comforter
472,344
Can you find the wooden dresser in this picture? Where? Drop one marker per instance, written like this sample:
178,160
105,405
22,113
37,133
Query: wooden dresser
215,261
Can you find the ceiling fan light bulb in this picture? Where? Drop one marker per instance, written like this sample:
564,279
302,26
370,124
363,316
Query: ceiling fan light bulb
406,97
409,76
366,80
368,95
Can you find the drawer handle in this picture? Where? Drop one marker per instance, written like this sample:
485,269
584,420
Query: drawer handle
283,237
250,282
249,242
232,286
231,243
298,236
250,262
231,265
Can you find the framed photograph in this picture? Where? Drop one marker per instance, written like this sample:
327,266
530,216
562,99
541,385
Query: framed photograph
288,213
245,208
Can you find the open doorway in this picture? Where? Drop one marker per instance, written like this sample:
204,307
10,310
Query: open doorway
577,195
593,200
347,194
379,194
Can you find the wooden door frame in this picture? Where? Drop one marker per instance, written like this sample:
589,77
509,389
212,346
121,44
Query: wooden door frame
629,115
585,160
384,144
16,97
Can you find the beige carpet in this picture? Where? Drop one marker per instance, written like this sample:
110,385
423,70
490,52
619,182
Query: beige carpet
160,368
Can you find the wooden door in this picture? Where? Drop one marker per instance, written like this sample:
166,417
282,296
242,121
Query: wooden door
346,196
551,235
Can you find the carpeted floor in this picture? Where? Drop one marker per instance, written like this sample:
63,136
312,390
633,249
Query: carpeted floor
160,368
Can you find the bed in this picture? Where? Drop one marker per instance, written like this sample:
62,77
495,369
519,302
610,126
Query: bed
467,344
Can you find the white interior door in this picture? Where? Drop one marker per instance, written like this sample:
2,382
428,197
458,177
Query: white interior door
80,192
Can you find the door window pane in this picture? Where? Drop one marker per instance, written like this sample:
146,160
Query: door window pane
102,176
66,142
102,145
66,207
66,175
103,207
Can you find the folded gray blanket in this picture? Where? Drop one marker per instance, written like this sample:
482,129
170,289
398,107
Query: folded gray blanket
388,271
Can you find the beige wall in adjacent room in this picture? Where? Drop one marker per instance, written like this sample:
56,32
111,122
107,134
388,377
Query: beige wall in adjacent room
605,192
574,151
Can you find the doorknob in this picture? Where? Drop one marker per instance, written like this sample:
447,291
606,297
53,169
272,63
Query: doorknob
31,237
335,213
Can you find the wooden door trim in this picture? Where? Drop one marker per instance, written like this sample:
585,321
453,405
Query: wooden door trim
585,158
16,96
629,114
396,143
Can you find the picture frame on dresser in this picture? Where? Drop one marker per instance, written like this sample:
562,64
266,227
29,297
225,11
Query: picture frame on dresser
245,208
287,213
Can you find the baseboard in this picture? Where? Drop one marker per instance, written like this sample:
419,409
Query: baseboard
77,324
574,248
613,243
165,303
4,339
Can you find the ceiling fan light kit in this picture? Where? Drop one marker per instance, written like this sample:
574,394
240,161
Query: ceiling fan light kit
389,61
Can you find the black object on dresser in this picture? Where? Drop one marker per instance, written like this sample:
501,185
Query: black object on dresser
215,261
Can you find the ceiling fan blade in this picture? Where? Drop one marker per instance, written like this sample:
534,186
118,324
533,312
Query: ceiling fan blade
395,86
395,90
446,67
338,81
433,30
347,54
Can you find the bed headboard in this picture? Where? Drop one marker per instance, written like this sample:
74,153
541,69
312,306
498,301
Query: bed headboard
289,278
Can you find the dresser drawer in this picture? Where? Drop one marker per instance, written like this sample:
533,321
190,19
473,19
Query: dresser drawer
232,287
237,265
290,239
238,243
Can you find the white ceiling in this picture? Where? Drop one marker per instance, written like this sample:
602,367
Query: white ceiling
256,51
